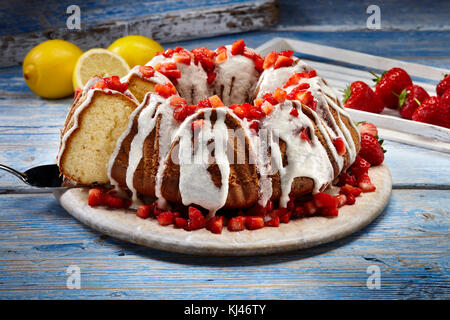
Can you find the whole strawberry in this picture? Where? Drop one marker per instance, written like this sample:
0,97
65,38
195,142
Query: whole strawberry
443,111
443,86
390,85
361,97
371,149
427,112
445,98
410,99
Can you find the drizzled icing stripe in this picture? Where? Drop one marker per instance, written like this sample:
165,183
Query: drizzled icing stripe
304,159
157,77
196,185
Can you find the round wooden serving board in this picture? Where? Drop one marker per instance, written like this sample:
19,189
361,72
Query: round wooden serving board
297,234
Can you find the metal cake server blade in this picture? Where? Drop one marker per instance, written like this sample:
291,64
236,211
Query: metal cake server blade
45,176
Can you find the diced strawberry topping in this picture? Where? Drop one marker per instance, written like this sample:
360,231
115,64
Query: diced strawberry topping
312,74
165,90
274,222
329,212
147,71
168,53
279,95
205,57
221,57
283,61
144,211
238,47
365,183
78,91
216,102
267,107
350,199
270,98
196,220
270,60
340,146
177,101
346,178
348,189
278,212
236,223
298,212
295,79
95,197
211,77
182,57
284,218
113,202
254,222
324,200
294,112
112,83
181,113
310,208
287,53
215,224
167,217
359,167
341,200
180,222
304,134
197,124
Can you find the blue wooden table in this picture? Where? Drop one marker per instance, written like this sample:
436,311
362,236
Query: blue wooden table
40,243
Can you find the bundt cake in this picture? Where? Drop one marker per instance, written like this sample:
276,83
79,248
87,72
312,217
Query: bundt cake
217,129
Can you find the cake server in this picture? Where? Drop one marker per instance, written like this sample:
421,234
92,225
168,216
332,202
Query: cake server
45,176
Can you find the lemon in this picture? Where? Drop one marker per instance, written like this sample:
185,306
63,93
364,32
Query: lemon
48,68
99,62
135,49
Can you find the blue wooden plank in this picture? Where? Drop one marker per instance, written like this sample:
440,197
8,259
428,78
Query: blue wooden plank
338,15
20,17
408,242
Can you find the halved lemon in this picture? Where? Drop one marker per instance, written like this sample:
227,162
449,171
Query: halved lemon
99,62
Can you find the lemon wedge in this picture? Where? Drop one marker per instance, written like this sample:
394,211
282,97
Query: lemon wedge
99,62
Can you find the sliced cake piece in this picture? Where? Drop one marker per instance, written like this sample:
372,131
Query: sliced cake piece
95,121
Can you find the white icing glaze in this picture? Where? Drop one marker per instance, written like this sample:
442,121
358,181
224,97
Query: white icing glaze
196,185
157,106
157,77
304,159
192,85
238,76
272,78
